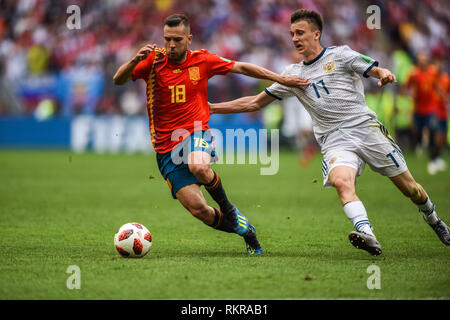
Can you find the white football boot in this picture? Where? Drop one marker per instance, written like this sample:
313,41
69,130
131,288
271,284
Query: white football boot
362,240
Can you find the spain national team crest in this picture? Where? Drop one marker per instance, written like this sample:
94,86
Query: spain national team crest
194,74
329,67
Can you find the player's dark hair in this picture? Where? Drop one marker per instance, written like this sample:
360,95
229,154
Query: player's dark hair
176,19
311,16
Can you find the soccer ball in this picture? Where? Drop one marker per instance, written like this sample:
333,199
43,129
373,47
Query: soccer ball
133,240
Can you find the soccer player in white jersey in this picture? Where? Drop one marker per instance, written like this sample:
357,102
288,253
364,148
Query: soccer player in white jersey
347,131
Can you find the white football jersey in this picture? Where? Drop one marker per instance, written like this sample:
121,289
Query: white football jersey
335,97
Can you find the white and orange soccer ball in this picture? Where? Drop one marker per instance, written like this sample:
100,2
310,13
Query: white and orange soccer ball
133,240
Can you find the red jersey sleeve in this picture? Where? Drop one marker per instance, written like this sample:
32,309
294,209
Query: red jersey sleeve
218,65
411,78
142,69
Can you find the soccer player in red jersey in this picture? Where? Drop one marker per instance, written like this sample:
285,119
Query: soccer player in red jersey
178,113
422,81
441,94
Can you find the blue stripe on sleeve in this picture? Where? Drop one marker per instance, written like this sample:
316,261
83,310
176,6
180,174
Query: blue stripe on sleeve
375,63
272,95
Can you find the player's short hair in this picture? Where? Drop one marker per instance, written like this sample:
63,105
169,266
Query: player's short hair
176,19
314,18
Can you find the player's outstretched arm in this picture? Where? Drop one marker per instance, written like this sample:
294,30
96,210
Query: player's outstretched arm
125,71
258,72
385,75
245,104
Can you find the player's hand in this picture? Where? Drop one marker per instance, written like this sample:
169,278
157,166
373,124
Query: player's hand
294,81
385,77
144,52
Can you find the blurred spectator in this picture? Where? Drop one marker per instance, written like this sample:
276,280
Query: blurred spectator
441,95
37,59
422,82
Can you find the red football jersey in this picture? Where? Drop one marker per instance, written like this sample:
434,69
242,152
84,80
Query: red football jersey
443,82
177,93
423,84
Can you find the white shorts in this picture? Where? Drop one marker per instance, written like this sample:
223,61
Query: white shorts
353,147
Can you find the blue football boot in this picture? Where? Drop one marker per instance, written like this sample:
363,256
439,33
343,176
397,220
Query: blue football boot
241,225
253,246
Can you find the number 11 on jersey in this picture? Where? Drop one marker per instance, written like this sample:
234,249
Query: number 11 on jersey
323,86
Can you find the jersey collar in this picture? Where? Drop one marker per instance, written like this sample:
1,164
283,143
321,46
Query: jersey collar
316,58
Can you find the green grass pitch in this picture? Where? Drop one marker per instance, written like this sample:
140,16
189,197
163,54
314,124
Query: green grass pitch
59,209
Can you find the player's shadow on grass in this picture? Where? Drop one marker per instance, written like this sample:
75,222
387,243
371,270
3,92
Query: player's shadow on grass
338,251
288,253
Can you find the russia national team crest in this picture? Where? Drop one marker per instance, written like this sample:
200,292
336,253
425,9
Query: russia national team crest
329,67
194,74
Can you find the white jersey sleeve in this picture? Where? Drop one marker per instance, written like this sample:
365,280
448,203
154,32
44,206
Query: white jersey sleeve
357,62
279,91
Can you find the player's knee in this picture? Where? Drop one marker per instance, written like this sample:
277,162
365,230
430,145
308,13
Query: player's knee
414,191
345,188
342,184
199,170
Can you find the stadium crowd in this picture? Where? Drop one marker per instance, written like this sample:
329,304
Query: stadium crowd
48,67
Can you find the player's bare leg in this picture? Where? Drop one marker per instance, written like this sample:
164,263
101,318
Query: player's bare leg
192,199
199,165
414,191
343,178
439,164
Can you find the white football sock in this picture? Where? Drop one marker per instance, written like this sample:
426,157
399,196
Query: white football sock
356,213
427,209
